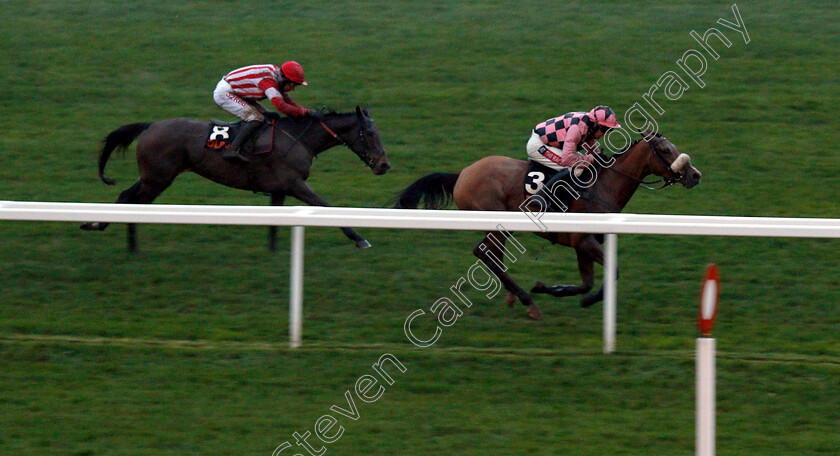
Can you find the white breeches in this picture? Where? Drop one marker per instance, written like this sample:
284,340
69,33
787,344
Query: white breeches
533,147
232,103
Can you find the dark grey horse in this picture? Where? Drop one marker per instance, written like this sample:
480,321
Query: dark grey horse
170,147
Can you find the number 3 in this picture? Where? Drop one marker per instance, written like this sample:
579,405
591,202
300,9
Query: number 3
534,182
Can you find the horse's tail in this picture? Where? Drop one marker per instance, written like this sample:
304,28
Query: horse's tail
434,189
118,139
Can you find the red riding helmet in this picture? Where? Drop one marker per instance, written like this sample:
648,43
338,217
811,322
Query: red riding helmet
604,115
293,72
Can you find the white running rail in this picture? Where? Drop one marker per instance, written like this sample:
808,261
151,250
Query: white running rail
300,216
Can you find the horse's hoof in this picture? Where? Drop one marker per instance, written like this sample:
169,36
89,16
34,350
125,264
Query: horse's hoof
510,299
558,291
539,288
91,226
363,244
589,300
534,312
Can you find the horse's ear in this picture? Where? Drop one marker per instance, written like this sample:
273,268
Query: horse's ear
359,111
648,134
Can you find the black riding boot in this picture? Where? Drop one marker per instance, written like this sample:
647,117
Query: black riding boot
558,195
232,152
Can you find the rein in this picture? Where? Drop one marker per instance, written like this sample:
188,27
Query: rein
364,155
299,137
335,136
308,126
666,182
643,183
332,133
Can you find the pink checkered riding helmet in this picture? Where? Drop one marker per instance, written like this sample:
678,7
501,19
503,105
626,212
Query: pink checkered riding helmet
604,115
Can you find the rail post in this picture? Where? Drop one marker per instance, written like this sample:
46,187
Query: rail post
296,288
610,292
705,365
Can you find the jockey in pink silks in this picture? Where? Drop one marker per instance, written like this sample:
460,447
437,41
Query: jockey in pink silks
555,143
240,91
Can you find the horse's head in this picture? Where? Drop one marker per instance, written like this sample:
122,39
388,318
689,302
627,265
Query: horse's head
364,140
668,163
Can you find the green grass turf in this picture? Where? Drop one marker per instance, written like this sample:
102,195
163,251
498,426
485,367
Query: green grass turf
181,349
238,399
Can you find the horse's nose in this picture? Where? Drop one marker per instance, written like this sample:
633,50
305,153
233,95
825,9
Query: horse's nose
696,176
382,167
692,179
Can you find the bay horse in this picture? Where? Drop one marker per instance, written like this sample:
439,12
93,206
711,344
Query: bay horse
167,148
496,183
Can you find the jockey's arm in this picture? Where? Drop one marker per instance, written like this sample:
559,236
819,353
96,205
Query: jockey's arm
259,107
570,146
591,147
280,101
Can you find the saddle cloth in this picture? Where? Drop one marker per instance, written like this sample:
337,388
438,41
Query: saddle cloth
536,177
567,188
221,134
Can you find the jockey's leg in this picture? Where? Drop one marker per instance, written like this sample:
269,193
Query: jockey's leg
249,112
232,152
559,192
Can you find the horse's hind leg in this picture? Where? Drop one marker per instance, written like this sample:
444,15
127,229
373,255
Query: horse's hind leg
489,251
128,195
277,199
142,192
147,191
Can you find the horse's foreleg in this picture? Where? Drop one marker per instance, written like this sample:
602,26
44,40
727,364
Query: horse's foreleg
490,253
559,291
596,297
588,250
304,193
277,199
361,242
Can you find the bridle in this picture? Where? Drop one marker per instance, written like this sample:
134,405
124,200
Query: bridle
364,155
674,177
668,181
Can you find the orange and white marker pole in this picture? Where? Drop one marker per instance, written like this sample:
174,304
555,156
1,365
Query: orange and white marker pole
705,427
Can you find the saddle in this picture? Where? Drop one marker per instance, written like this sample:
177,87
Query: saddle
221,134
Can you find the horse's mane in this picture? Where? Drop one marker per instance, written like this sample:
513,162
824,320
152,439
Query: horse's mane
626,148
331,112
297,124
